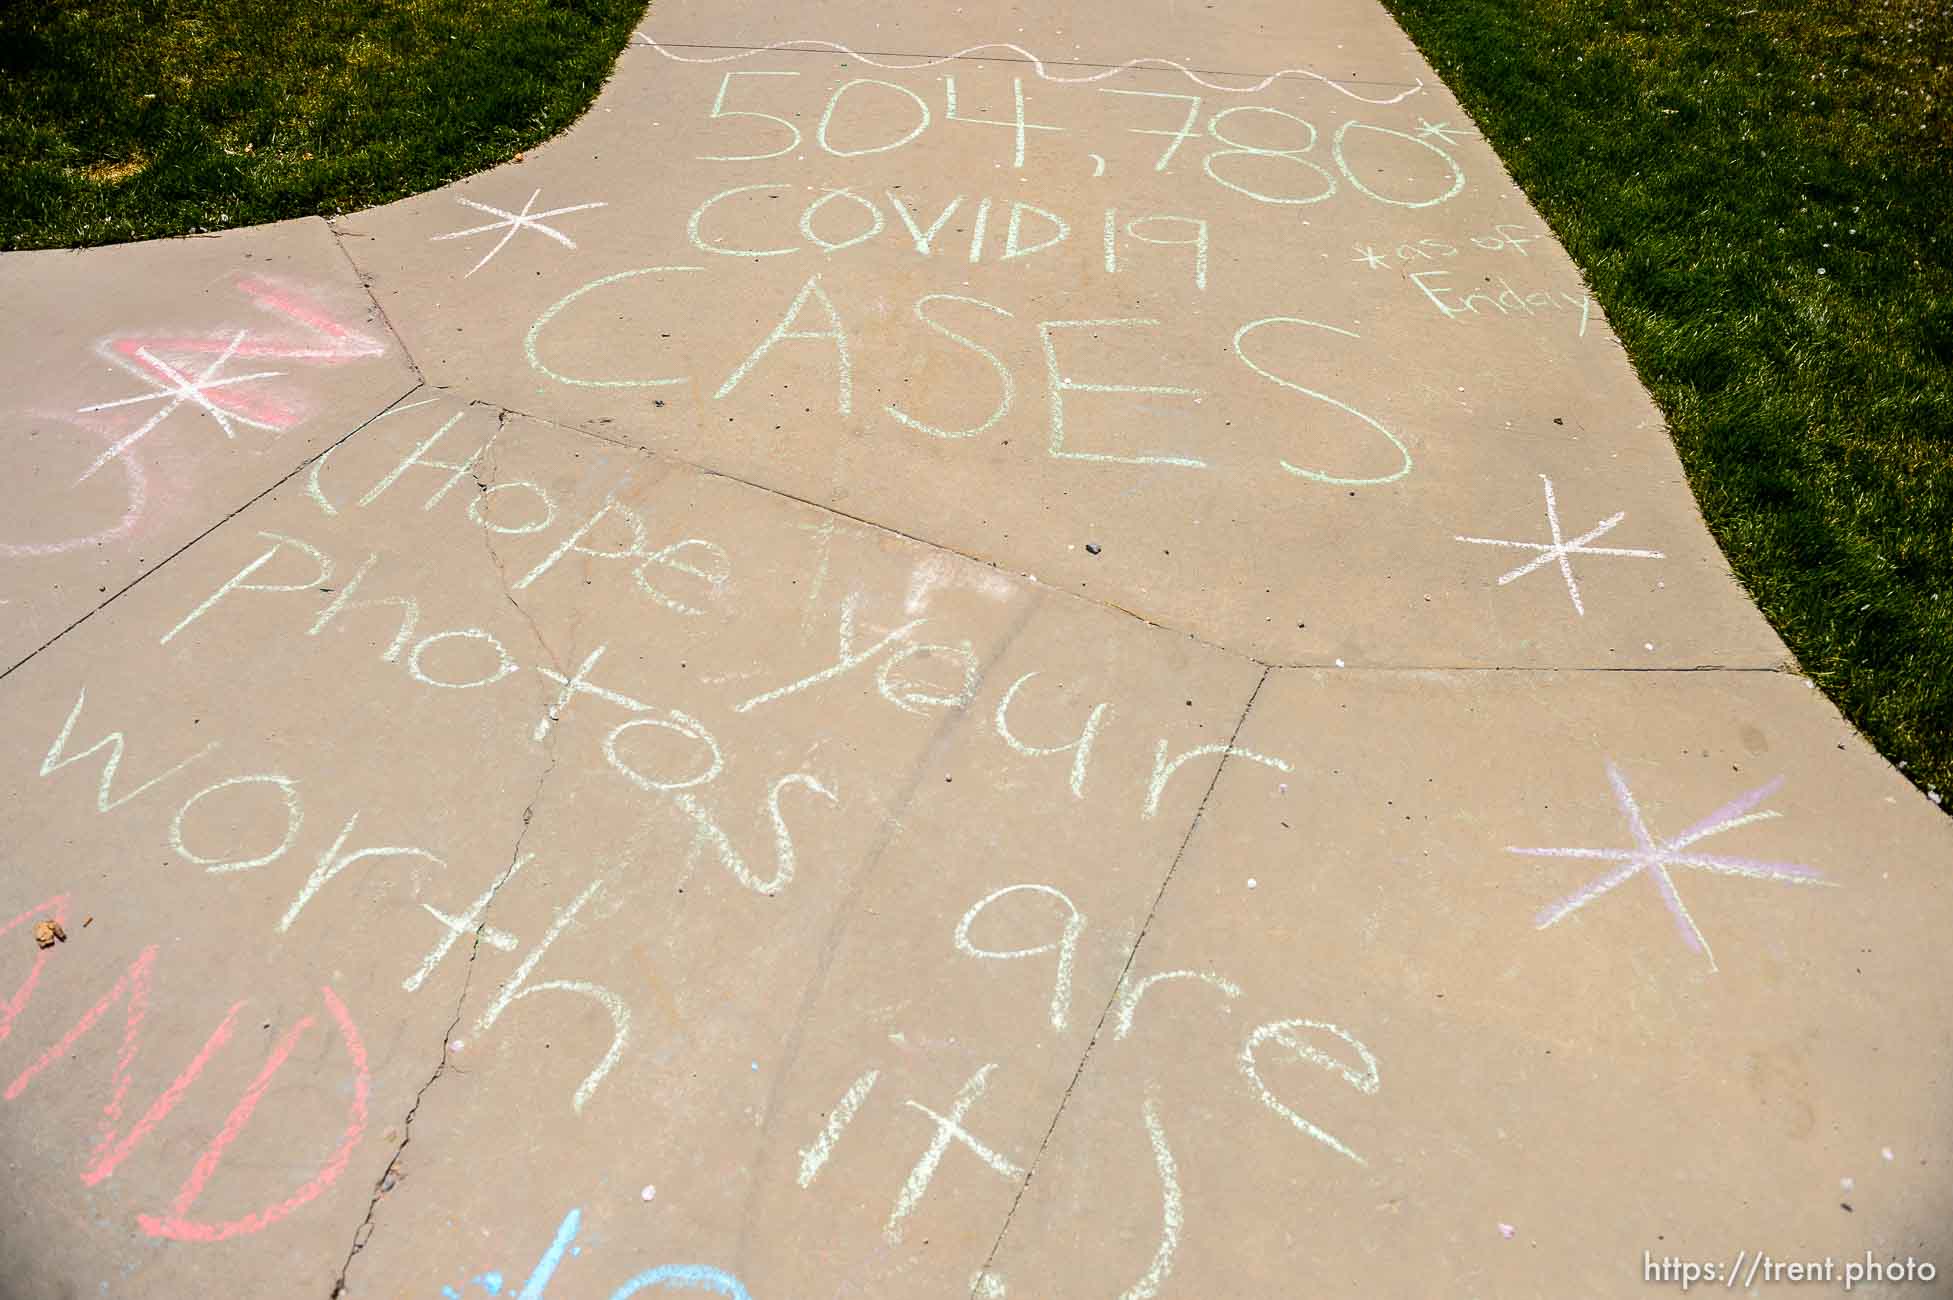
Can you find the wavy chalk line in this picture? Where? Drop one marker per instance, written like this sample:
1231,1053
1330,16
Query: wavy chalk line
1037,64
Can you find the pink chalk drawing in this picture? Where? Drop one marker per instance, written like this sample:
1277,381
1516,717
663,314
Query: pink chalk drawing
513,221
1560,551
183,369
143,357
1654,856
136,500
174,388
54,909
336,342
176,1227
331,343
133,989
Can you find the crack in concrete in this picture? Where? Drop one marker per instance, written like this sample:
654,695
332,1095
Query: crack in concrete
488,540
391,1175
1125,972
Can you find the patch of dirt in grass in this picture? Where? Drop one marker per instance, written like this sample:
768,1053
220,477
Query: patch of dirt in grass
114,173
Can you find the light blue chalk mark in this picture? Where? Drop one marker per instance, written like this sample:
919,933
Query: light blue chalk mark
684,1277
490,1282
546,1266
450,1293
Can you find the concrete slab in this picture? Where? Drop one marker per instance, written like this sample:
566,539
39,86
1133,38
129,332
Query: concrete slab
156,388
1388,1035
1230,46
924,706
1318,399
738,856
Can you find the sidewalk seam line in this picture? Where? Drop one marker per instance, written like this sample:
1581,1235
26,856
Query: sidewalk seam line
1132,959
157,567
1784,667
366,285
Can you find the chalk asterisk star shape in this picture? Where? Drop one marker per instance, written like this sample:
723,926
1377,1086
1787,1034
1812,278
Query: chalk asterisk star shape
1560,550
1442,132
178,388
514,221
1654,856
1367,255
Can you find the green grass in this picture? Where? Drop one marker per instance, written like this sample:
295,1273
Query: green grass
1761,195
132,119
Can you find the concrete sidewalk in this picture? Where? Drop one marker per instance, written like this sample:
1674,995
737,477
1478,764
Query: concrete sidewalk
949,654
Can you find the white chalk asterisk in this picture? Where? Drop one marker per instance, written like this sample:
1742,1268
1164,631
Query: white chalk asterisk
1559,549
1442,132
1367,255
1655,856
515,221
178,388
